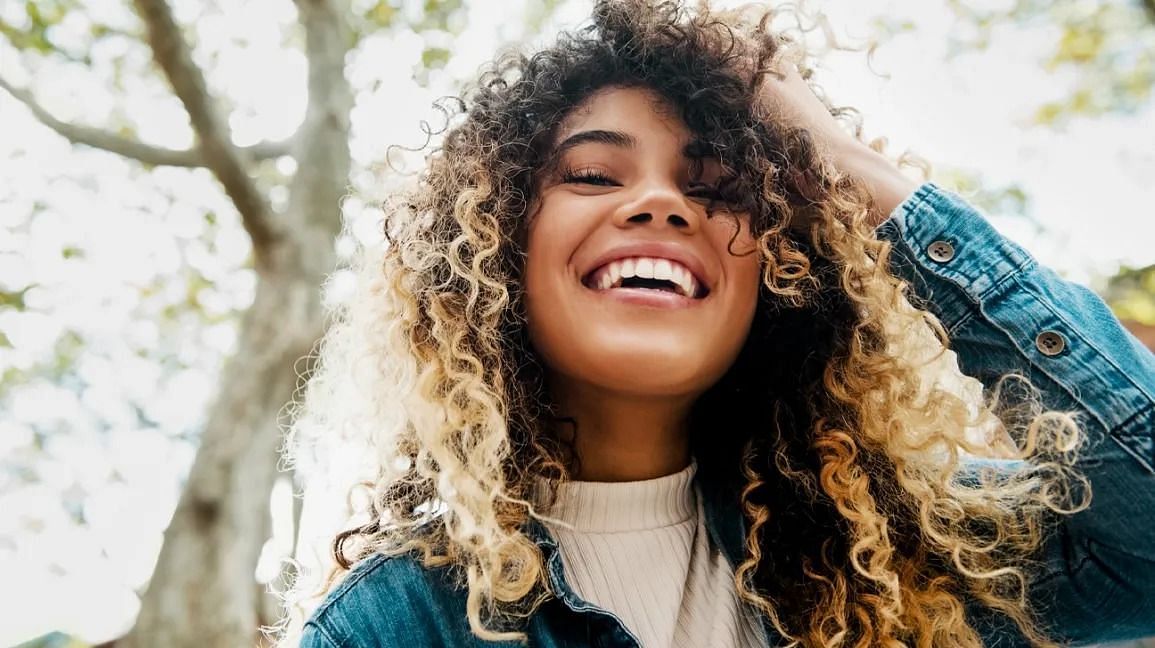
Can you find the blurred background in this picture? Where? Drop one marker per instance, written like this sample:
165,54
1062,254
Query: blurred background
157,296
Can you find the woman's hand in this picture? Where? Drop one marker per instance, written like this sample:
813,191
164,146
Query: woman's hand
791,99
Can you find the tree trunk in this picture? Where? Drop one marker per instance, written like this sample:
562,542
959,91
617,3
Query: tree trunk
203,591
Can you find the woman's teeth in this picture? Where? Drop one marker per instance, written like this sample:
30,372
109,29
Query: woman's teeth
612,274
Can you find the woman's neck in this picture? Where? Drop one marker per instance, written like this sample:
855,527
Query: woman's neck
622,437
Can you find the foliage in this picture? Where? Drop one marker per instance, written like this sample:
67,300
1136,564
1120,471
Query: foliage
1131,294
1107,46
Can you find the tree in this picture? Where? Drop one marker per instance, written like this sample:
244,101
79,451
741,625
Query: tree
202,591
1108,45
220,524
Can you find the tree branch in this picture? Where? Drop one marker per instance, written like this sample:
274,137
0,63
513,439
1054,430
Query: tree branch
225,160
126,146
1149,5
101,139
268,150
322,143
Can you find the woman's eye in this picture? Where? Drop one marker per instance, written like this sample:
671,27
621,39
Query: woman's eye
588,176
705,192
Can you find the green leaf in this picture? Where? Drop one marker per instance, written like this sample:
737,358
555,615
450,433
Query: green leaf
1048,114
14,300
1131,294
434,58
1080,44
382,14
437,13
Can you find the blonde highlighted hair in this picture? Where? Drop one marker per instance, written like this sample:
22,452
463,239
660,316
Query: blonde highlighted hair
867,523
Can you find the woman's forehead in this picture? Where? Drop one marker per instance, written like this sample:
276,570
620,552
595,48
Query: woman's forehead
635,111
632,120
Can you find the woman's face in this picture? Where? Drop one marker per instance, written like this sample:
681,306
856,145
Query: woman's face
630,288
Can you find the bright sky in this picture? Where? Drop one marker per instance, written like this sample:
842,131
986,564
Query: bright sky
86,488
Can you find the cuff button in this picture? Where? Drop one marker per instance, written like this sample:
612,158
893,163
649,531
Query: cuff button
941,251
1050,343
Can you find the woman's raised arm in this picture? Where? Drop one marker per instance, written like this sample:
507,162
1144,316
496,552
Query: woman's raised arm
1006,314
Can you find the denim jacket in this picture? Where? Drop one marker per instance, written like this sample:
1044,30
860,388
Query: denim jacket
1004,313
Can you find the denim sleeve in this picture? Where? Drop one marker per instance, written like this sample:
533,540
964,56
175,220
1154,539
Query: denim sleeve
315,637
1007,314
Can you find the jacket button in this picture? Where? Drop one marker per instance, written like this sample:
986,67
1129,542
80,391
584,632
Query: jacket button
1050,343
940,251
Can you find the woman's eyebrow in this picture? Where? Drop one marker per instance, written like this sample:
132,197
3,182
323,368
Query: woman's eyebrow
694,150
613,138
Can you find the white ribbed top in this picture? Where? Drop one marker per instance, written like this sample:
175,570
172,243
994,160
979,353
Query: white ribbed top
641,551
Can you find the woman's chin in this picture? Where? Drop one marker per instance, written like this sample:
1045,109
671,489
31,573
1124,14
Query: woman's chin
654,375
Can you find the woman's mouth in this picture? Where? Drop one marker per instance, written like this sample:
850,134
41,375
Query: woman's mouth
646,281
649,274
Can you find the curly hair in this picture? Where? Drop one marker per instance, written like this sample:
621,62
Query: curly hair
846,456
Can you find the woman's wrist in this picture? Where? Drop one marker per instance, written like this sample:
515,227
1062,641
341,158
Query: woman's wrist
888,186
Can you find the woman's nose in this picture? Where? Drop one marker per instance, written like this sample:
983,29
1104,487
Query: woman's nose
660,204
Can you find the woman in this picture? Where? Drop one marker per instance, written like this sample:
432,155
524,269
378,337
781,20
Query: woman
640,369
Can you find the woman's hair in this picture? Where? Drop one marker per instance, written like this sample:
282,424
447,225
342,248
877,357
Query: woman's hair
845,453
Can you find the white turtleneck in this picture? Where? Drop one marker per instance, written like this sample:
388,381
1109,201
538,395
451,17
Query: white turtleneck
641,551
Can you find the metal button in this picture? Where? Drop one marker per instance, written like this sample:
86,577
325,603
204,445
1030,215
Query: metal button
941,251
1050,343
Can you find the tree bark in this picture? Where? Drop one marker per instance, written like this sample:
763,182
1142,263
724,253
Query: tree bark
203,591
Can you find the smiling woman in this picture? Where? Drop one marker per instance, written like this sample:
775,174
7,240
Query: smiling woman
628,207
640,369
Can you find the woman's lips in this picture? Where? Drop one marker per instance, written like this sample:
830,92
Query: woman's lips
647,297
